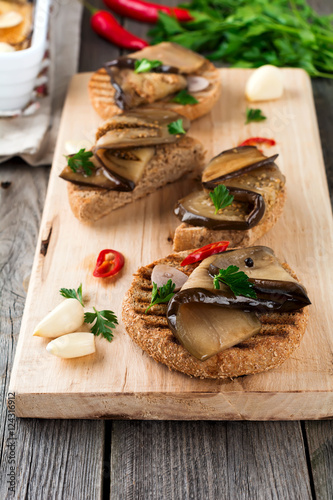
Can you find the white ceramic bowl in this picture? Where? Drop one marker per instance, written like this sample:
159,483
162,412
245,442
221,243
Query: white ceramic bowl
18,70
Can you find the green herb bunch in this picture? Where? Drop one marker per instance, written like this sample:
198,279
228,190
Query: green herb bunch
250,33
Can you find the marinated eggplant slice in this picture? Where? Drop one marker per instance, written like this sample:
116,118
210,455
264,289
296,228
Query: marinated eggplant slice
269,277
100,178
135,89
207,320
258,262
205,330
127,166
232,163
277,290
266,181
147,127
245,212
172,54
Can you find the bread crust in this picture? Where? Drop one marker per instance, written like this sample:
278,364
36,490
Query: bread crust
170,162
280,334
187,236
101,94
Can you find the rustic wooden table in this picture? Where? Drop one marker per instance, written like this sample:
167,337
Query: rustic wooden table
133,459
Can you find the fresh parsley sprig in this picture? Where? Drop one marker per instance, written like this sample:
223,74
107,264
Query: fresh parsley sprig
183,97
236,280
176,127
221,197
249,34
254,115
71,293
104,322
144,65
80,162
162,294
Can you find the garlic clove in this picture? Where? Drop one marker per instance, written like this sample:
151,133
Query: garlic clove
67,317
196,83
264,84
162,273
5,47
72,147
10,19
73,345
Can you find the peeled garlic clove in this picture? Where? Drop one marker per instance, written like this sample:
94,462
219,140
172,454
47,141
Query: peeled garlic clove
264,84
5,47
72,147
72,345
162,274
65,318
10,19
196,83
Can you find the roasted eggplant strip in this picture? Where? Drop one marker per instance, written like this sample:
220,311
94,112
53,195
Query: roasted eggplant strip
100,178
197,209
233,163
138,128
260,264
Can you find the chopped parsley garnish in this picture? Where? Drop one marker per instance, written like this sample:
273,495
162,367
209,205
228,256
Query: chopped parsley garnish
71,293
176,127
221,197
80,162
236,280
254,115
162,294
183,97
145,65
105,322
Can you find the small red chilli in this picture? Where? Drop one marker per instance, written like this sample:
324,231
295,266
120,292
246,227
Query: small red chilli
109,263
106,26
146,11
255,141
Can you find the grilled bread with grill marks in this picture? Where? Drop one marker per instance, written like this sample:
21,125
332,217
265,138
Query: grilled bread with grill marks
188,236
280,334
102,94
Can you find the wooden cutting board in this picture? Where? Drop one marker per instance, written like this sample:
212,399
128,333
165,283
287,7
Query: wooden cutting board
120,380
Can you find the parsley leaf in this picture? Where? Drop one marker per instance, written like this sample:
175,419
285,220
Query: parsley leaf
221,197
71,293
144,65
176,127
254,115
80,161
162,294
236,280
105,321
183,97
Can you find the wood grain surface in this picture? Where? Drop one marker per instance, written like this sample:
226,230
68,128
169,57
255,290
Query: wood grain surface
169,472
136,386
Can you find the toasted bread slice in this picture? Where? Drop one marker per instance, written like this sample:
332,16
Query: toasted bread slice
187,236
102,93
280,334
170,162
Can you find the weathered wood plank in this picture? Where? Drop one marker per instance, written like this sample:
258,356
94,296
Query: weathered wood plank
211,460
320,441
53,460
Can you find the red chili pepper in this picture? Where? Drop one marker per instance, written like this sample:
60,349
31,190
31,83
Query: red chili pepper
254,141
144,11
204,252
109,262
106,26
